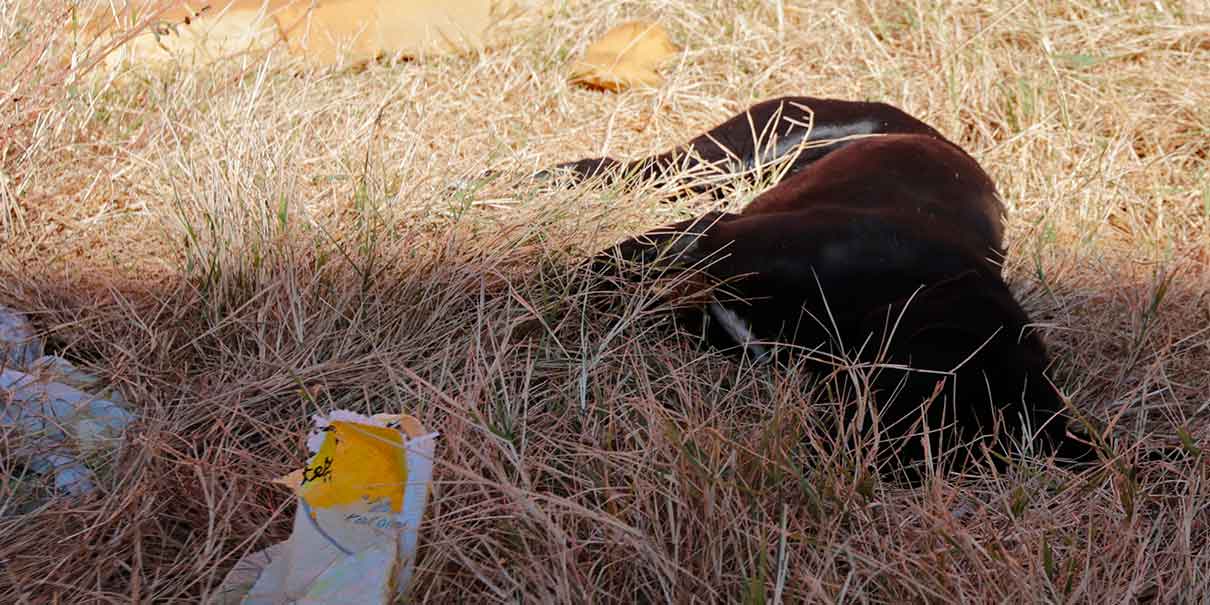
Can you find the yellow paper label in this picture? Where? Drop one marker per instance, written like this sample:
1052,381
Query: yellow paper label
356,463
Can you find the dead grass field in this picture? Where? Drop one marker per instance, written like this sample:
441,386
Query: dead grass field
240,247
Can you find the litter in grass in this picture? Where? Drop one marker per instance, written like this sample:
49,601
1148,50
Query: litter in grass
60,415
361,498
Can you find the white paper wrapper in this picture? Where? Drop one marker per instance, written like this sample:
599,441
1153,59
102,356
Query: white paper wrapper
356,552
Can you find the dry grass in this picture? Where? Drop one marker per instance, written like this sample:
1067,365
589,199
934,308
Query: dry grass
241,247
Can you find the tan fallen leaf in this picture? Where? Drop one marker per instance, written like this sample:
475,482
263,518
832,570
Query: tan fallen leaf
191,33
365,29
293,480
408,424
625,57
325,32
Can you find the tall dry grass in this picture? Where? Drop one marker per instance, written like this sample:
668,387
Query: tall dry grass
239,247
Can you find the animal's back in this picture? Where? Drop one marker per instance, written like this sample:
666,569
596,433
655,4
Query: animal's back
924,183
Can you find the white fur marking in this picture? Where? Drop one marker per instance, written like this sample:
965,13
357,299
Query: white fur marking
738,329
787,144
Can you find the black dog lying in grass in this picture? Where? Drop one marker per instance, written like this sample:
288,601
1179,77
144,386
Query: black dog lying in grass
881,242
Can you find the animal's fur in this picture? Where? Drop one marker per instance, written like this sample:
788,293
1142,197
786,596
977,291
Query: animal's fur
886,248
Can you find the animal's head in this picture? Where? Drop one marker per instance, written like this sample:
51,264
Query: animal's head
970,334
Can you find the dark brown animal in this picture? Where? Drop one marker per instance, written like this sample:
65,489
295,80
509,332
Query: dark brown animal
883,243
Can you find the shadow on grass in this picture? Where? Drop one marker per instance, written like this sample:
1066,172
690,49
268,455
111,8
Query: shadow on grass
588,451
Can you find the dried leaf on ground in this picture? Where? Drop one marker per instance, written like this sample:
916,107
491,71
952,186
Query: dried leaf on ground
365,29
187,33
325,32
625,57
